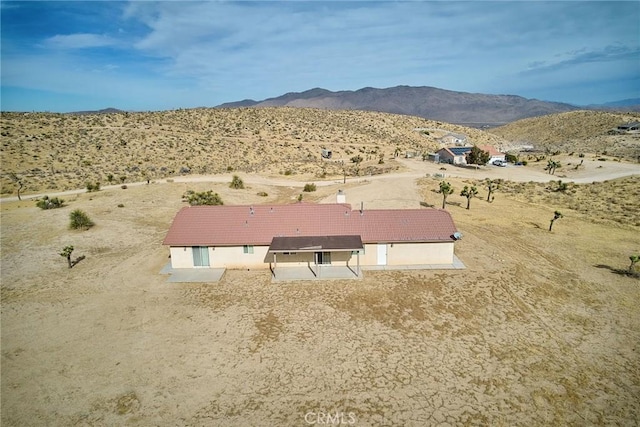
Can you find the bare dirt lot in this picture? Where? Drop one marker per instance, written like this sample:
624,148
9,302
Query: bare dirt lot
542,328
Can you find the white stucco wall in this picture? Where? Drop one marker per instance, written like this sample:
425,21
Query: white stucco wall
396,254
420,253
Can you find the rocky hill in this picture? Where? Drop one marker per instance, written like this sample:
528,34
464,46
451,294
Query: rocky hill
576,131
471,109
65,151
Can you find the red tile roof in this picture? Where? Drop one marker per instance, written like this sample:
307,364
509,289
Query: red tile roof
258,224
491,150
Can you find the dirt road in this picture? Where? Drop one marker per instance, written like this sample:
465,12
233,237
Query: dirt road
590,171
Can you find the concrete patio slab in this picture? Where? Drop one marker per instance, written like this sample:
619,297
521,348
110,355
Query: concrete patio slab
192,275
456,265
325,272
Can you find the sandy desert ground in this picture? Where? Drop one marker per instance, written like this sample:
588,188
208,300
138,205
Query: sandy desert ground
540,329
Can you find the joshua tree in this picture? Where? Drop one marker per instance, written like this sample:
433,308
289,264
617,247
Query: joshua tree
469,193
445,190
66,253
491,187
552,165
634,259
556,215
18,181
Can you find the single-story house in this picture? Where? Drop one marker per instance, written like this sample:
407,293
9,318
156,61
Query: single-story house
453,138
494,154
458,155
629,127
305,234
453,155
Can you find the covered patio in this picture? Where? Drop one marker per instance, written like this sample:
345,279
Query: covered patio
317,252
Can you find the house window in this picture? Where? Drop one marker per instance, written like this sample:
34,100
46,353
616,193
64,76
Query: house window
360,251
200,256
247,249
323,257
289,253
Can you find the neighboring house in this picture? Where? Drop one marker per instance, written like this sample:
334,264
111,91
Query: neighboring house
629,127
493,153
303,234
458,155
453,139
453,155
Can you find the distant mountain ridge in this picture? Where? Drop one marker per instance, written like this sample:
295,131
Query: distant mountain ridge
472,109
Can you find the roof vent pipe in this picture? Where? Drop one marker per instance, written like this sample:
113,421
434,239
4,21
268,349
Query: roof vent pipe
361,208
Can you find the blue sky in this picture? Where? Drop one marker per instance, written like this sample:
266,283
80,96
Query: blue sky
143,55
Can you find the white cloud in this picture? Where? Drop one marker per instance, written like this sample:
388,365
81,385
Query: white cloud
78,41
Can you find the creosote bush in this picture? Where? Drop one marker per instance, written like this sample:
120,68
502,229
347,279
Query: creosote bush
93,187
208,198
236,183
47,203
80,220
308,188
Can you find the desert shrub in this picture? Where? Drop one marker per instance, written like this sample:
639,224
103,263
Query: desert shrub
208,198
356,159
47,203
288,172
262,194
511,158
123,186
120,205
80,220
524,163
93,187
309,188
236,183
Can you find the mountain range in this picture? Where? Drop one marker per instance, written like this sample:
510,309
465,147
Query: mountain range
471,109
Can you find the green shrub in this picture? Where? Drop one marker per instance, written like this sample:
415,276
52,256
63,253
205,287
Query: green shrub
262,194
47,203
93,187
208,198
288,172
80,220
236,182
309,188
511,158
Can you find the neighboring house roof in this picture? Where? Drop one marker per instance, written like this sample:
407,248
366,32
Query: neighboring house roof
493,152
629,126
459,151
259,224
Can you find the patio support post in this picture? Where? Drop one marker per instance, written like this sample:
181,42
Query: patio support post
358,260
